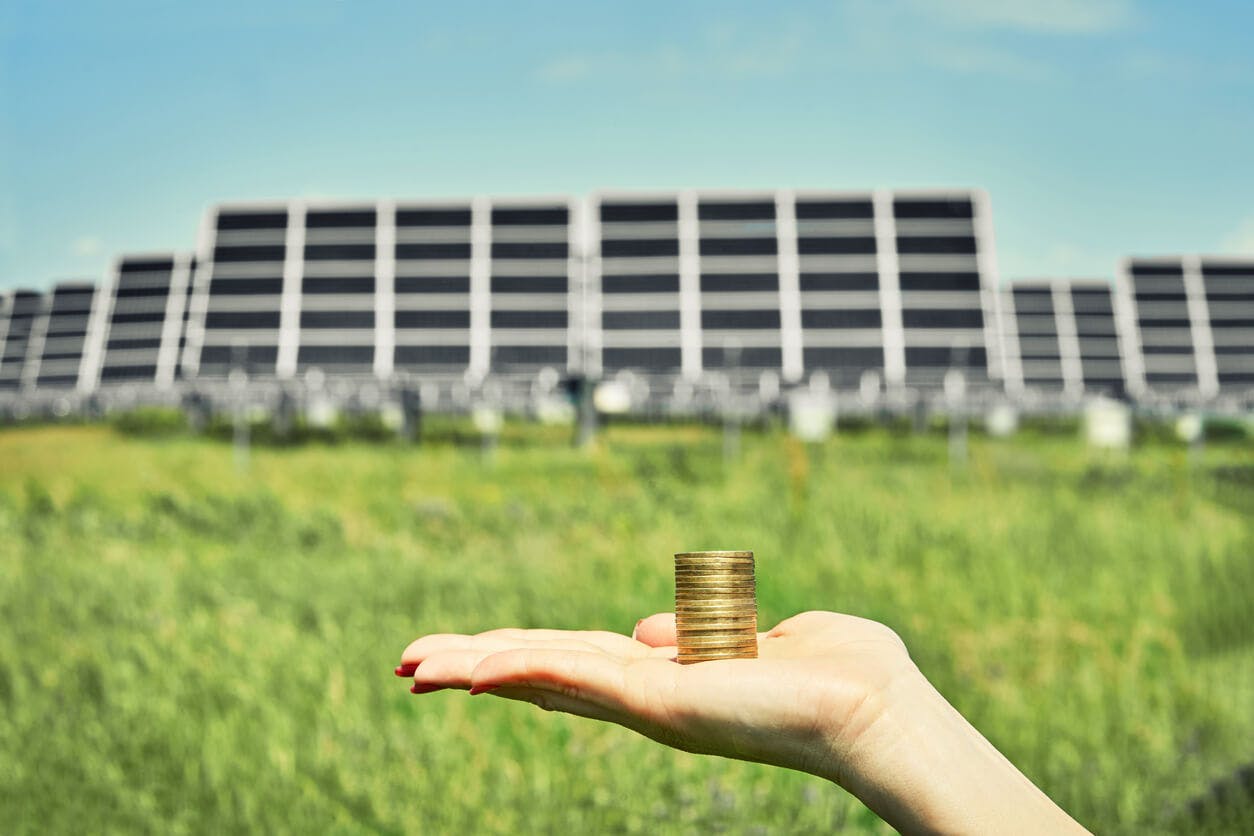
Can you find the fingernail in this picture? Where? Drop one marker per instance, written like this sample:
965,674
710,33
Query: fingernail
406,669
636,629
423,688
479,689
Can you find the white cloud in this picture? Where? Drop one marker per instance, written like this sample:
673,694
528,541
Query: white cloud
1241,241
86,246
1062,17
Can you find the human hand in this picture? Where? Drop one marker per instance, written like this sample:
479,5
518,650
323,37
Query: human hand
819,679
830,694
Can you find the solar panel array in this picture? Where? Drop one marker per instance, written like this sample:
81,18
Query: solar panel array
679,283
1062,338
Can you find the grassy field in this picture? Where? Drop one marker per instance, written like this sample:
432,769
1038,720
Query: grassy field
191,649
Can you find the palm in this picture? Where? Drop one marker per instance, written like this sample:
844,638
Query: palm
802,696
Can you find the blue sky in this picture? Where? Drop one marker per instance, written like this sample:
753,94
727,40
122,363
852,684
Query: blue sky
1101,128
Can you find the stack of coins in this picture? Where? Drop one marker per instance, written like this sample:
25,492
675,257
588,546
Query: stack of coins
716,606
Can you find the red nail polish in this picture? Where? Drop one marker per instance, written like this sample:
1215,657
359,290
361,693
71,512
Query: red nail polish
480,689
423,688
407,669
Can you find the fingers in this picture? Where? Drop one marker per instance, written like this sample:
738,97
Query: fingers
499,640
553,701
656,630
578,675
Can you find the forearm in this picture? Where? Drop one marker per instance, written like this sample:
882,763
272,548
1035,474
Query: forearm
923,768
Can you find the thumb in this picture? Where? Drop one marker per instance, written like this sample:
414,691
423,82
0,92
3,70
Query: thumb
656,630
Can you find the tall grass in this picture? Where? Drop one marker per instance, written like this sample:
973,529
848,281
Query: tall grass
191,649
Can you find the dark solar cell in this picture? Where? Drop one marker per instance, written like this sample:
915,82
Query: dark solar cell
245,287
130,372
840,281
252,220
337,319
944,357
939,281
339,252
337,284
432,284
611,320
528,319
145,265
541,249
434,251
935,245
333,355
1142,270
650,283
738,246
120,317
639,212
737,282
835,246
432,319
433,217
808,210
850,357
116,344
641,358
529,216
740,319
141,292
242,319
432,355
844,318
640,247
528,284
923,208
710,210
254,357
943,318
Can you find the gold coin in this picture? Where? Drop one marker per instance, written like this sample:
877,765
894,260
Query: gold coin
717,646
716,554
715,608
725,622
717,641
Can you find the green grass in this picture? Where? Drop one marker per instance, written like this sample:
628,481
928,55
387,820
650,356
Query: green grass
188,649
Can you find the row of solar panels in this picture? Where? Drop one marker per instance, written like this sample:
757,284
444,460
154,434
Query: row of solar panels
679,283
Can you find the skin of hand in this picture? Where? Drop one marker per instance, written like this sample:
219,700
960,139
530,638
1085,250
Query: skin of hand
829,694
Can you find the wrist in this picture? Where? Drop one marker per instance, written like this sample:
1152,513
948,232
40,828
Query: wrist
910,756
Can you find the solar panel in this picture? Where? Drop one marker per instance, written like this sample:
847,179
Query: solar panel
739,280
433,261
636,265
337,280
1228,284
1037,336
237,302
1061,336
57,337
144,308
533,270
1169,325
20,311
942,261
838,284
1097,336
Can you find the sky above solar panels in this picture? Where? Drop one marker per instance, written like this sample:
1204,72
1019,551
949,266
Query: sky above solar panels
1101,128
